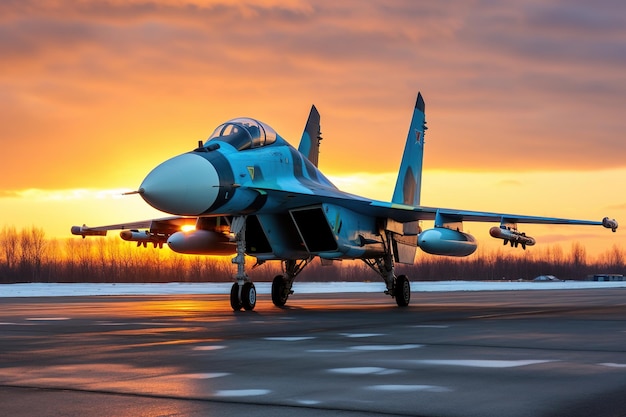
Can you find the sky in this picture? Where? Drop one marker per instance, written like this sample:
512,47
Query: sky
524,100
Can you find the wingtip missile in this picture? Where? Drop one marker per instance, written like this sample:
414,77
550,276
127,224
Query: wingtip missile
610,224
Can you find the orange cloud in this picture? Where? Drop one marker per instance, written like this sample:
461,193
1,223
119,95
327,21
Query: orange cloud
95,94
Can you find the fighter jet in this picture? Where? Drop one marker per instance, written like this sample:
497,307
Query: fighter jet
247,191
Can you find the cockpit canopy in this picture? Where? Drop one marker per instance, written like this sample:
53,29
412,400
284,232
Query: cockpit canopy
244,133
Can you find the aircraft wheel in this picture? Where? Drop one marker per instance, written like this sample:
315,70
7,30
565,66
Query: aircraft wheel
248,296
402,291
234,297
279,293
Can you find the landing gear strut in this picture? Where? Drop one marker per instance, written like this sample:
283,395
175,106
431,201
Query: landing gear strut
397,287
243,292
281,286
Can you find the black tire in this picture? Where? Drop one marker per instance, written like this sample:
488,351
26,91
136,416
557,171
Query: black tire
279,295
248,296
402,292
234,297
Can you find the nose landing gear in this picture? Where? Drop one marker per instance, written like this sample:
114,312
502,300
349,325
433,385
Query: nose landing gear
243,292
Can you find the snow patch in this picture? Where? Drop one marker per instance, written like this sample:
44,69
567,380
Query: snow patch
409,388
364,370
384,347
308,402
208,348
480,363
614,365
289,339
242,392
206,375
91,289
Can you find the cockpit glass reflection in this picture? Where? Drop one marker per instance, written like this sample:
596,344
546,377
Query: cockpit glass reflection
244,133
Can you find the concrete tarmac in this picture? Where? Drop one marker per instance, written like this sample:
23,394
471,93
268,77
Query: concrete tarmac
514,353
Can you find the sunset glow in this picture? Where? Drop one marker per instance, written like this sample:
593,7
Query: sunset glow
524,101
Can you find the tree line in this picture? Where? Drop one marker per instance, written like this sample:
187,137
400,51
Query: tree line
26,255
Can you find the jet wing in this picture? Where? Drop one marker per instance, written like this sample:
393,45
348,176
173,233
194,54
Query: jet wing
165,226
406,213
400,212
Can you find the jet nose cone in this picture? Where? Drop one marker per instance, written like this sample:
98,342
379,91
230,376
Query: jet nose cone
184,185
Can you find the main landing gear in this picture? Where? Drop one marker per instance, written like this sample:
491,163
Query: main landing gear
281,286
398,287
243,292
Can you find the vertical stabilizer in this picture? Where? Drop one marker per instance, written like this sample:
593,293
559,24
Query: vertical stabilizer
311,137
409,183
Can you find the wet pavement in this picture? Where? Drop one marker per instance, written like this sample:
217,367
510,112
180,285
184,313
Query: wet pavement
521,353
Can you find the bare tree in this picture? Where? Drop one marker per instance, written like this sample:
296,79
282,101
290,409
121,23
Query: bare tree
32,244
9,244
578,260
615,258
26,255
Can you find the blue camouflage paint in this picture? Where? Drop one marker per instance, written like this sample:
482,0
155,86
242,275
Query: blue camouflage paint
409,183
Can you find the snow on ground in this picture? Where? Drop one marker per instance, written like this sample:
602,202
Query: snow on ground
89,289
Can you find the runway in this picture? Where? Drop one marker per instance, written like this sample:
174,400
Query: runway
496,353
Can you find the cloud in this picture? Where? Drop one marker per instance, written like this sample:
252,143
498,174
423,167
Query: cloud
112,88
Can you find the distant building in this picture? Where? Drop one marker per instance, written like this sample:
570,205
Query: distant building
606,277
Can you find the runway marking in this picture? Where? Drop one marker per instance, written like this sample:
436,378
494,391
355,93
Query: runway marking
7,324
478,363
209,348
357,335
289,339
328,351
613,365
207,375
365,370
409,388
308,402
431,326
367,348
242,392
384,347
47,318
132,323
